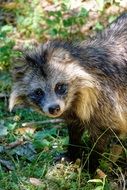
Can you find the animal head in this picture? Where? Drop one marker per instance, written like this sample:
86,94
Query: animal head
48,79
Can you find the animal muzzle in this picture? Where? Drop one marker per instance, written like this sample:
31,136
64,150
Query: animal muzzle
54,109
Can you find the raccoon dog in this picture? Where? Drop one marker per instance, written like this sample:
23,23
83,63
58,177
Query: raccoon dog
84,83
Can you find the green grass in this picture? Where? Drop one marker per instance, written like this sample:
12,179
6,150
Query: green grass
47,142
35,158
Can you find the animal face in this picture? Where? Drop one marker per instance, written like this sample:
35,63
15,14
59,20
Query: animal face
48,80
48,94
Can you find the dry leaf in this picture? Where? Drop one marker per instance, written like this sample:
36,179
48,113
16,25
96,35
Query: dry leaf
100,174
35,181
24,130
10,5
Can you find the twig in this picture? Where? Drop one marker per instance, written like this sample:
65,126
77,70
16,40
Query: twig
15,144
123,185
42,122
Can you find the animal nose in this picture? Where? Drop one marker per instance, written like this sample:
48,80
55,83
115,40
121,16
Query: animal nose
54,109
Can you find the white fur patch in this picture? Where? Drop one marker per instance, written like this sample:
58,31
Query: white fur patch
12,100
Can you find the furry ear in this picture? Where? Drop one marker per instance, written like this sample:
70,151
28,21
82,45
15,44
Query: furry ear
29,59
35,57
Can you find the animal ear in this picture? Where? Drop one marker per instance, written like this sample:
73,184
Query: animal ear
29,59
37,56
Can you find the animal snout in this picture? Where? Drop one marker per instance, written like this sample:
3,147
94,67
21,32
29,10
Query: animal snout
54,109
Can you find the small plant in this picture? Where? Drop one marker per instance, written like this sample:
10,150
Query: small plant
65,23
98,26
6,46
101,184
29,19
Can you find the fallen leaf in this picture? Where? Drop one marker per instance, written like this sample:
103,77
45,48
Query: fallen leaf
35,181
10,5
100,174
25,130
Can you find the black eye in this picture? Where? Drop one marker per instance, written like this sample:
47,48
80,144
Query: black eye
39,92
61,89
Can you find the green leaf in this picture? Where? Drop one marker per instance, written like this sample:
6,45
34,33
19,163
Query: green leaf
83,12
58,13
98,26
64,7
45,143
43,138
106,185
6,28
12,126
51,22
99,188
53,32
112,18
68,22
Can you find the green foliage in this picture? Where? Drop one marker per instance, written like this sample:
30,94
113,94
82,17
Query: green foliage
111,18
61,26
34,22
98,26
29,19
44,138
5,81
6,46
